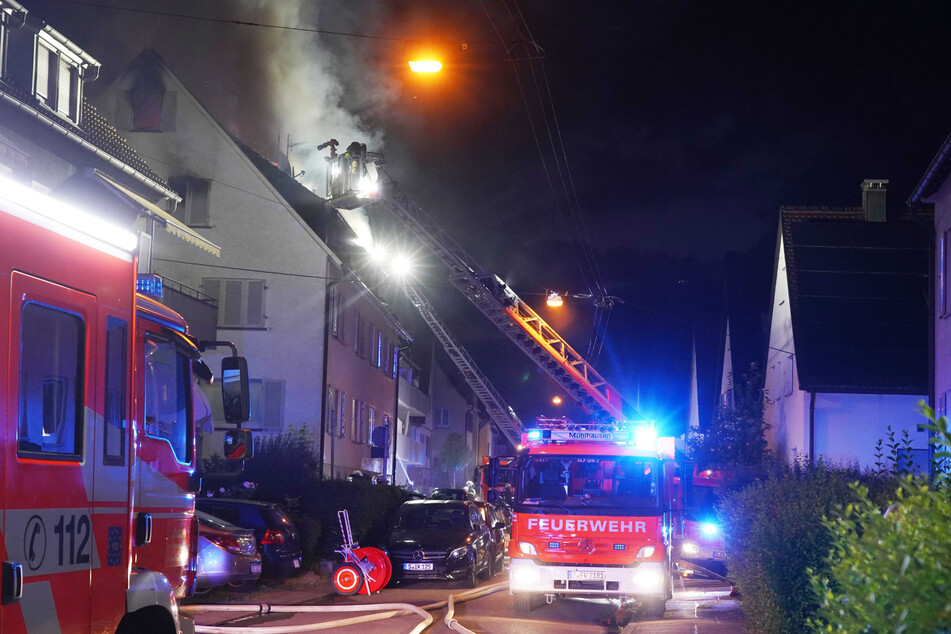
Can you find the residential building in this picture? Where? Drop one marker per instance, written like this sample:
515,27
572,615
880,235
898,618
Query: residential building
848,343
933,194
321,348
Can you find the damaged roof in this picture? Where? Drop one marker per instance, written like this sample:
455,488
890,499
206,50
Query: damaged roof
859,300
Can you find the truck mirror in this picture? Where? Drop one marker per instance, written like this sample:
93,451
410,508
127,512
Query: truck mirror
239,444
235,393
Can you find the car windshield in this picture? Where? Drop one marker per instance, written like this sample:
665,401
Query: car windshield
449,494
434,516
589,485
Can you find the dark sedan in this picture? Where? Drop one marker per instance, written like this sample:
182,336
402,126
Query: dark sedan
275,533
440,539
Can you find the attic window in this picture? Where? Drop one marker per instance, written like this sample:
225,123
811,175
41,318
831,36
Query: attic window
147,110
56,80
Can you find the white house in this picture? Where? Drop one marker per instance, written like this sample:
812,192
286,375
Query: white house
848,342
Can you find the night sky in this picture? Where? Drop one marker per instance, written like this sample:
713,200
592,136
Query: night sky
686,125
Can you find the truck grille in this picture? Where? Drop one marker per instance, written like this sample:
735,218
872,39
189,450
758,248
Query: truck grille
586,585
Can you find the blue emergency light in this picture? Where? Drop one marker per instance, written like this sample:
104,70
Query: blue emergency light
710,529
150,285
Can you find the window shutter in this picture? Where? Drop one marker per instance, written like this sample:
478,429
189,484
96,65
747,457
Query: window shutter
229,305
273,411
42,88
63,96
255,314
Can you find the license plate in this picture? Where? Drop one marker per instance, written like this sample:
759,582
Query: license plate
297,563
417,566
586,575
719,554
255,569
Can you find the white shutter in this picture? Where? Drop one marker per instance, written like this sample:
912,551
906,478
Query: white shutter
42,87
272,413
63,93
255,304
229,306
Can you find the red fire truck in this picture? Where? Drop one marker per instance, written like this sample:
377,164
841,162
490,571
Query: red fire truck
98,476
596,510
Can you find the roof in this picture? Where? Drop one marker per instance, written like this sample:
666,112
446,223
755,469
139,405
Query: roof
859,301
934,176
93,129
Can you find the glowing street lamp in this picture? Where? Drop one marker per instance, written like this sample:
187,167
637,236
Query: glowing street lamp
554,300
556,400
425,66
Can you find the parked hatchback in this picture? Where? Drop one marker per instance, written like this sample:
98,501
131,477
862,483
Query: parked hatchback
276,535
227,554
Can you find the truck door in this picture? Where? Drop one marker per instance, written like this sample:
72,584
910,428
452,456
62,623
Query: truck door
162,499
47,524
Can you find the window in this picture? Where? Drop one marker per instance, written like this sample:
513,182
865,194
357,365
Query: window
167,388
380,363
115,415
359,345
240,302
943,275
344,419
331,428
442,417
52,346
147,110
371,422
336,312
267,404
194,208
56,79
394,371
385,354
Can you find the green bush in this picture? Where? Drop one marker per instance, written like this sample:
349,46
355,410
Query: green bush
891,572
776,534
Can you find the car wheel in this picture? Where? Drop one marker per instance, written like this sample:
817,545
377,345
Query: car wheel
347,579
524,602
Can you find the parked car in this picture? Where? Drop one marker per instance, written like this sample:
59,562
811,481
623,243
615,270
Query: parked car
440,539
276,535
227,554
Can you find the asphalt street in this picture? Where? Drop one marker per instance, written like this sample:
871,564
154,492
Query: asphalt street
698,607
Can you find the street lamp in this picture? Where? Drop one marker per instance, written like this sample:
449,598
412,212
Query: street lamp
556,400
425,66
555,300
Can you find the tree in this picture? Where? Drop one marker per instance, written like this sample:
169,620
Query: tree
454,455
736,436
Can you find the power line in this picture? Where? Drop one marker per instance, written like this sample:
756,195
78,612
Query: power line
284,27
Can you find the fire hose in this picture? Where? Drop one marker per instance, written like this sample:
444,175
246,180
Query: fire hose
386,611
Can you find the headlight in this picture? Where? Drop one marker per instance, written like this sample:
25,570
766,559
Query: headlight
648,579
710,529
645,552
690,548
462,551
527,549
525,577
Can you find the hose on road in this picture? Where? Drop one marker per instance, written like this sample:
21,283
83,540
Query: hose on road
385,611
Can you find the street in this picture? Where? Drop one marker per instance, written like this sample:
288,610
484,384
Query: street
698,606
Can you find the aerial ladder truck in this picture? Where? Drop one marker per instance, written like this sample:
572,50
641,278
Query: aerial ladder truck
552,563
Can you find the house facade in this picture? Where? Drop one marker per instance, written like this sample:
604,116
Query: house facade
933,192
320,345
848,341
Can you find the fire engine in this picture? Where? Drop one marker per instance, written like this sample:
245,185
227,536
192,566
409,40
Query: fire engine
97,399
596,507
703,545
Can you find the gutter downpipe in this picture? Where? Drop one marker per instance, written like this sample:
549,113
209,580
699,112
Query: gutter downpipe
396,411
325,383
812,429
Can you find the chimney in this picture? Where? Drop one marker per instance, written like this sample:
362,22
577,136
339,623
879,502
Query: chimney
873,199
